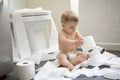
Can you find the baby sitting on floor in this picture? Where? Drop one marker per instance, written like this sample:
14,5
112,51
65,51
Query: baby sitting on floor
69,38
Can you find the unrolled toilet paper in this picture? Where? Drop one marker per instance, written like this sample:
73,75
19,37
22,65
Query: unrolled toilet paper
88,44
25,70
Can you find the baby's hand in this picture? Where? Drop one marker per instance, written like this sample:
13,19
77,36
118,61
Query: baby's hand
79,42
70,67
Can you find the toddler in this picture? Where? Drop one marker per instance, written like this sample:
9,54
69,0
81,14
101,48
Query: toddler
69,39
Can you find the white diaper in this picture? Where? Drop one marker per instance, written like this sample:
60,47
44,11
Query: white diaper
71,55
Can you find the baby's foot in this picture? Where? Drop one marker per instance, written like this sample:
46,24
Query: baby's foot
70,67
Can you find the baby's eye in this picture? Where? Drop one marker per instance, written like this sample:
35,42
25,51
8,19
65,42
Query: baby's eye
71,27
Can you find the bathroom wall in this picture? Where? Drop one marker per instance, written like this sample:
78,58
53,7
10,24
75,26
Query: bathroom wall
101,18
56,6
5,36
16,4
74,6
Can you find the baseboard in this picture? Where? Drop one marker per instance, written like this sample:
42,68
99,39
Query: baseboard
109,46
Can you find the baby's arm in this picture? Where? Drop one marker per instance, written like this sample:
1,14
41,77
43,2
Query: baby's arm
66,41
79,37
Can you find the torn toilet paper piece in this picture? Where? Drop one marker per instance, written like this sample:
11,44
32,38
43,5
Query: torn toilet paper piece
99,59
110,73
45,71
113,75
114,63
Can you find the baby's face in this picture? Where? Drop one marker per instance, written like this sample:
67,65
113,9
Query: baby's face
70,27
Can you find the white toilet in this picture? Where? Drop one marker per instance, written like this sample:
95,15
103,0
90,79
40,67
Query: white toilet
33,31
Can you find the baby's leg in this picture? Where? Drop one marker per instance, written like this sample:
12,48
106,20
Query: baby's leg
63,59
80,57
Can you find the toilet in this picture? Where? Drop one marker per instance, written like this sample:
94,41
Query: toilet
33,30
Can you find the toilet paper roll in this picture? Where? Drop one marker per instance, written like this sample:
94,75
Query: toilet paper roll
88,44
25,70
94,53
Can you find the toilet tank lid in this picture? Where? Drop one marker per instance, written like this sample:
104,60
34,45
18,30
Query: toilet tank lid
32,12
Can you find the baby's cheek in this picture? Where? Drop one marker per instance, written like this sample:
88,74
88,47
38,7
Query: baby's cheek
82,41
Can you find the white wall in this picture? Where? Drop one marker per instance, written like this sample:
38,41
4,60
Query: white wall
101,18
16,4
56,6
5,36
74,5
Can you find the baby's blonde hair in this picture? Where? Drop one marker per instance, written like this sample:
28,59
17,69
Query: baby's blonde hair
68,16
